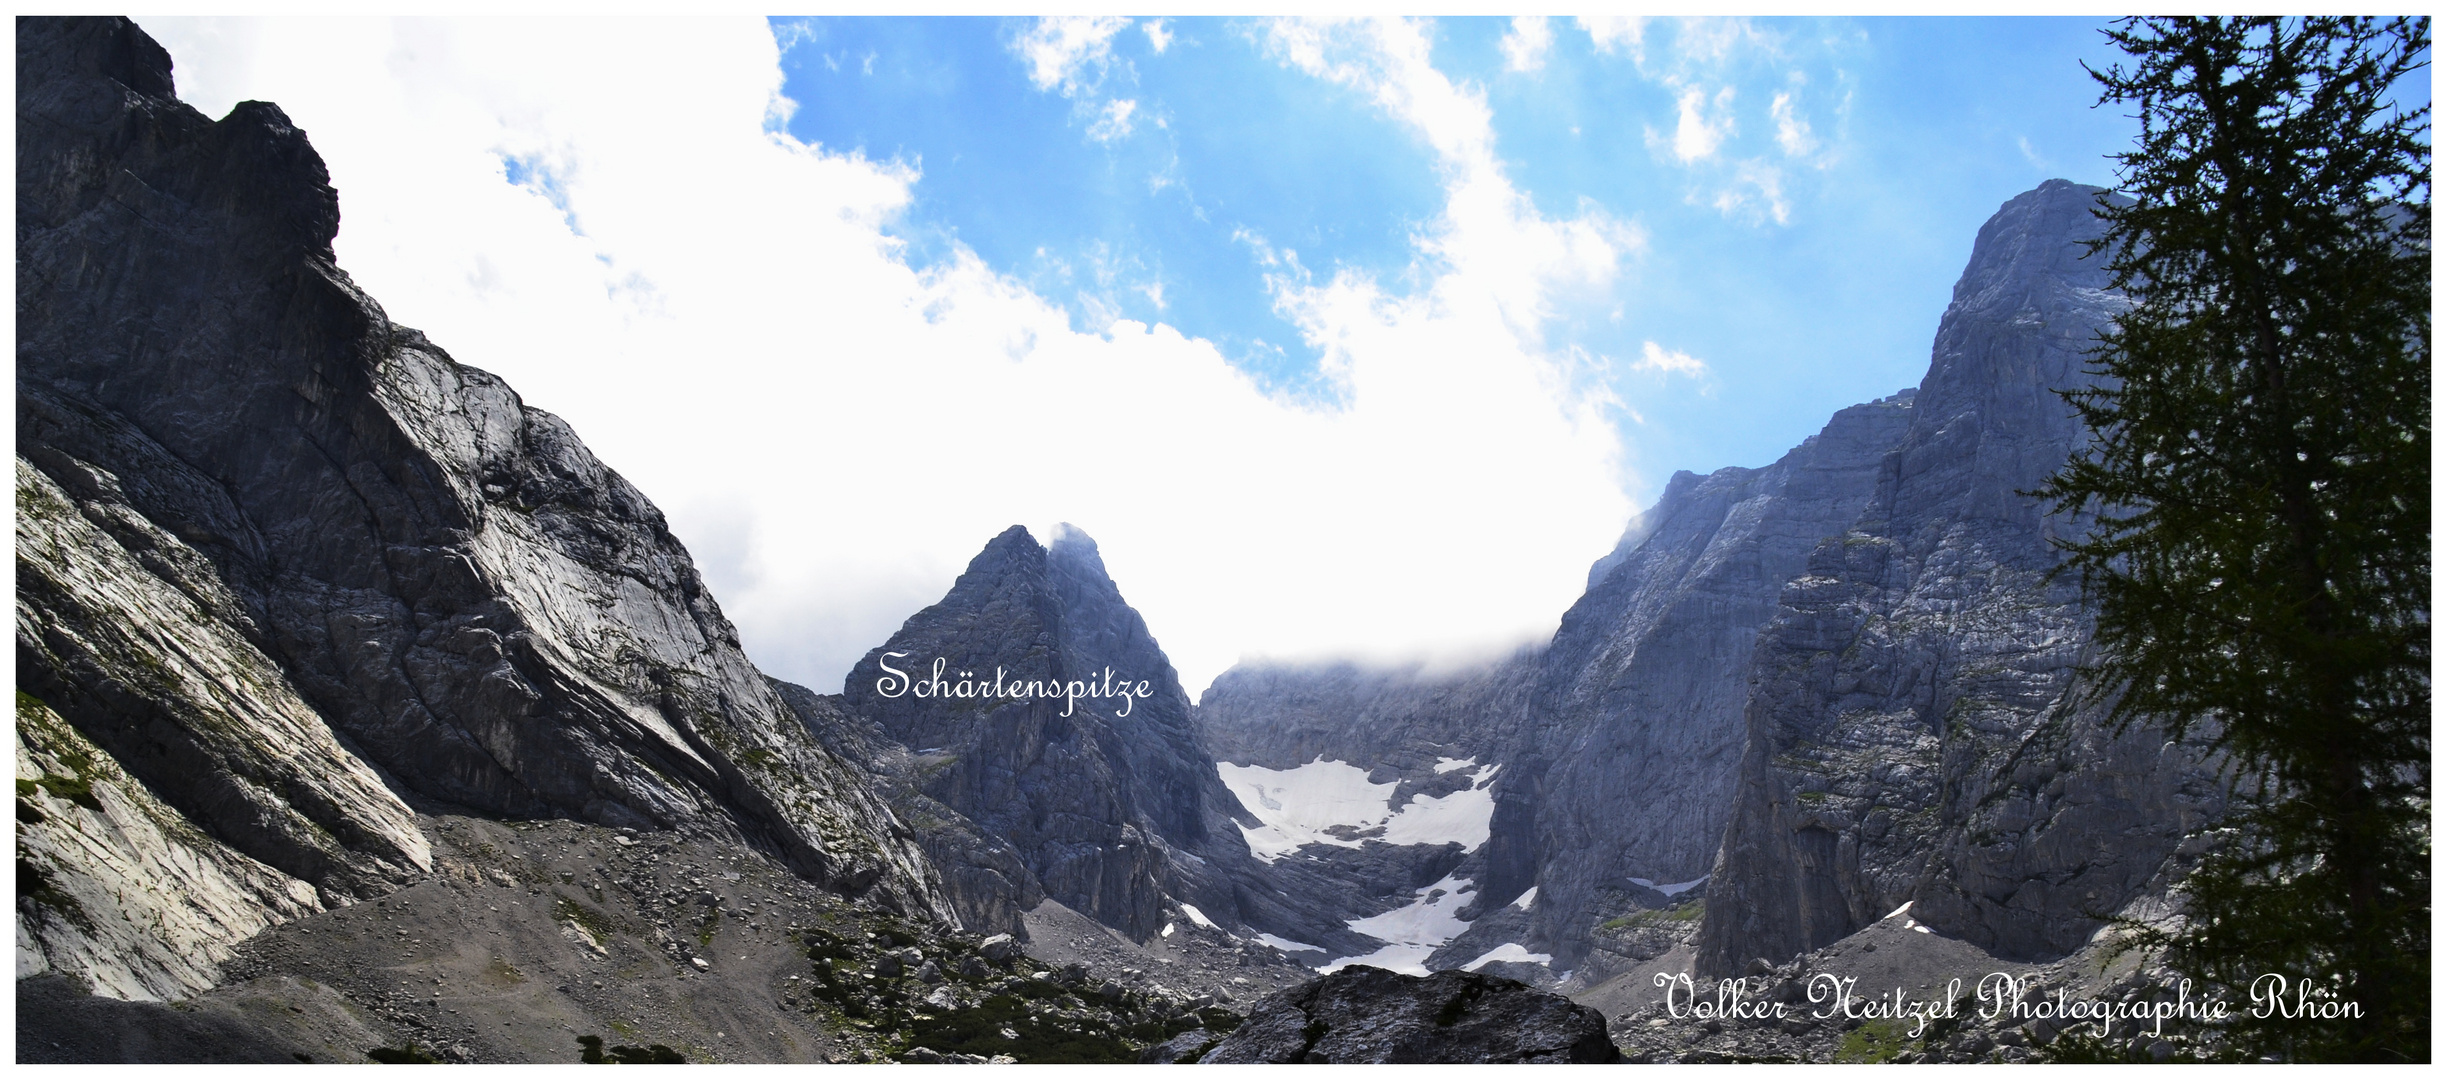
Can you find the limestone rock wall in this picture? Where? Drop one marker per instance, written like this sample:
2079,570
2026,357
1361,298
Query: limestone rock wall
294,569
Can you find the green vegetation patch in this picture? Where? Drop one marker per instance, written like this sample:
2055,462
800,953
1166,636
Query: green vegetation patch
1877,1042
1681,913
75,789
1086,1040
34,883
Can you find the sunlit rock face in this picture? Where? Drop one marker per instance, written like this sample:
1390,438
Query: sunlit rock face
293,570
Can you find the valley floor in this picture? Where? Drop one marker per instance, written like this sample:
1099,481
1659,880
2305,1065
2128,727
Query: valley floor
531,936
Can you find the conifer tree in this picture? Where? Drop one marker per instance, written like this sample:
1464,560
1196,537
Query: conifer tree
2260,476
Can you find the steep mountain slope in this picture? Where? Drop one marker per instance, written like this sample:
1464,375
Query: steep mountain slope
1913,735
1805,693
1616,743
292,569
1636,723
1039,707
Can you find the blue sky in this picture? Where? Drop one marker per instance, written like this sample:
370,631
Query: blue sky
1921,127
1353,339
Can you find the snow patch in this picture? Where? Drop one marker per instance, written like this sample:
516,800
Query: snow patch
1297,806
1445,764
1907,906
1197,916
1525,899
1413,931
1463,817
1429,920
1405,959
1678,888
1507,953
1315,802
1288,945
1168,930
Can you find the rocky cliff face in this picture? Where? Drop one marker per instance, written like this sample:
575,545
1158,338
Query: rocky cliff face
1825,687
1638,708
1618,742
1033,701
290,567
1913,736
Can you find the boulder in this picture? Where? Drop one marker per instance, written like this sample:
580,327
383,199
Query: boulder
1373,1016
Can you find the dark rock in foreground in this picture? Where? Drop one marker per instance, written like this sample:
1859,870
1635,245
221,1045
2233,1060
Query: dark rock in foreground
1369,1015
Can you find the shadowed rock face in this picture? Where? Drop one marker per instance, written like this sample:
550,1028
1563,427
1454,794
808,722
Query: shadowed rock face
287,562
1619,741
1638,708
1366,1015
1111,808
1913,734
1830,685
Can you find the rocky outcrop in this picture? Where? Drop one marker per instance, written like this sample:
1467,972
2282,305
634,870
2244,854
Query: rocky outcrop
1365,1015
290,566
1033,701
1637,715
1619,740
117,890
1913,734
1420,736
1825,687
986,880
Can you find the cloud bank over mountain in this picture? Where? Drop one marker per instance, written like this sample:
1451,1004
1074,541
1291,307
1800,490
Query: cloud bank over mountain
611,216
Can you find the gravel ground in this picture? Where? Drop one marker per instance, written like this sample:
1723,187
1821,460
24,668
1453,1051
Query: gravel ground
532,935
1891,956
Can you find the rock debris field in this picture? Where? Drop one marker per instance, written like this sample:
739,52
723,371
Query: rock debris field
532,936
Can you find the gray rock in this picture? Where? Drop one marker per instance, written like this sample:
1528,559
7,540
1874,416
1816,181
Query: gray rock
1629,754
290,561
1109,801
1826,687
999,949
984,877
1369,1015
1181,1049
1914,734
117,891
1619,742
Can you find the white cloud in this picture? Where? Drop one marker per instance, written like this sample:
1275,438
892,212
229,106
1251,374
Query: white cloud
1753,191
1792,132
1526,43
1710,42
1158,38
834,432
1655,357
1061,50
1696,137
1703,61
1614,33
1114,121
